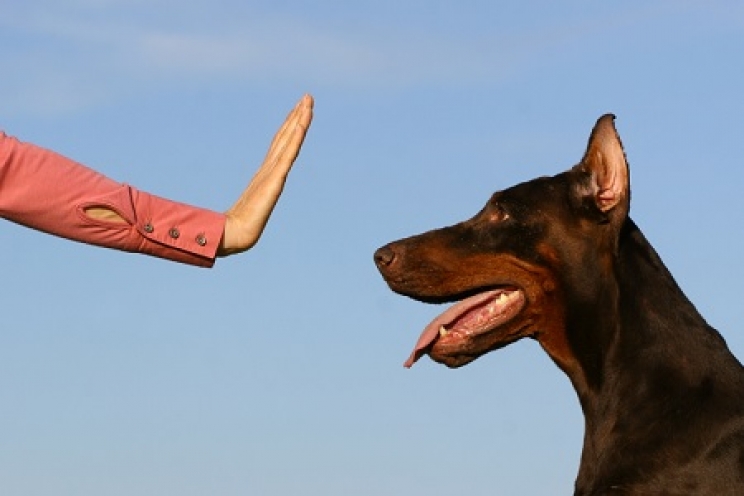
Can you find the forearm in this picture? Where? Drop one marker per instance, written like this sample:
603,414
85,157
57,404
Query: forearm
45,191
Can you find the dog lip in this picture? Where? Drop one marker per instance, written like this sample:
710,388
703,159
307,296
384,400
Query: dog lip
430,333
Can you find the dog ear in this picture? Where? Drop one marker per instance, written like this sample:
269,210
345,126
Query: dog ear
603,176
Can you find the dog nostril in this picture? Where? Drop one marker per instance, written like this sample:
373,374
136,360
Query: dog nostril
384,256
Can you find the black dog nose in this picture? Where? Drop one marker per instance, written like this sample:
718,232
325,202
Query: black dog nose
384,256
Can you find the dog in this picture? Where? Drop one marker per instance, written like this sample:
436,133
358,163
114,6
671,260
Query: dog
559,260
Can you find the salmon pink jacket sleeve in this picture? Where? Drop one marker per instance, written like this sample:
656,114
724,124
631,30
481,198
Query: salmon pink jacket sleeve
46,191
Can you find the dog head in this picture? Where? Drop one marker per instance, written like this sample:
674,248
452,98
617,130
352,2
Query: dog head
510,271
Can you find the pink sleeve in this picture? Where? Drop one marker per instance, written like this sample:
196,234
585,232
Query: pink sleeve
48,192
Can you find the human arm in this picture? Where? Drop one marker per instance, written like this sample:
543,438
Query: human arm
51,193
46,191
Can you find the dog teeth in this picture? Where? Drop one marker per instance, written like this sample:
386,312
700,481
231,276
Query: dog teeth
502,297
442,331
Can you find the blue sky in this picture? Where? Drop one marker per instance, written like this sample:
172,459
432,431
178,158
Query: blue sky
280,371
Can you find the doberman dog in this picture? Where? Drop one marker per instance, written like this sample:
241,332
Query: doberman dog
558,259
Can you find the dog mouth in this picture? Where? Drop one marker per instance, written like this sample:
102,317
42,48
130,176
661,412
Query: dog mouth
459,328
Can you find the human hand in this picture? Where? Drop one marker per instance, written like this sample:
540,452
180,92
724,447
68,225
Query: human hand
247,218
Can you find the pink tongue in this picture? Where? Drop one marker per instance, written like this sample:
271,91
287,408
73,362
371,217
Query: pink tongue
431,331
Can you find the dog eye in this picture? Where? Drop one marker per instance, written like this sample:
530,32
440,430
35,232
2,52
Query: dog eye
497,213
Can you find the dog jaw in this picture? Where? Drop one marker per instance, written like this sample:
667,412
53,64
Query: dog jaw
471,327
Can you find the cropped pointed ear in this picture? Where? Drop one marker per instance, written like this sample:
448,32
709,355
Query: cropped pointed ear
603,177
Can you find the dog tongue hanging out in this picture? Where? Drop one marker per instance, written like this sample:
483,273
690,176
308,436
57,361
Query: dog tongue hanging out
558,259
473,316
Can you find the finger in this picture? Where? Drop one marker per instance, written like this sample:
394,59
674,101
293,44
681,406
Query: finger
288,153
293,137
301,116
288,125
306,114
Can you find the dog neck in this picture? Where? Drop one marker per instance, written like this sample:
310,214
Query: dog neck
641,315
639,319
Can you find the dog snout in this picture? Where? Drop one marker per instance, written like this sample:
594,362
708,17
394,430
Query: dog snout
385,257
388,260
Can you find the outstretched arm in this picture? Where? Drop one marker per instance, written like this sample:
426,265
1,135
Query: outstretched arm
46,191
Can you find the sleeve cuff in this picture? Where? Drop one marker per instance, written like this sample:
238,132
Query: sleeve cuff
164,228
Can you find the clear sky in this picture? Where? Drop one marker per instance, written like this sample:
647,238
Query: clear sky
279,372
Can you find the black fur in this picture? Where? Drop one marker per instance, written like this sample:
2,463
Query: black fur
662,396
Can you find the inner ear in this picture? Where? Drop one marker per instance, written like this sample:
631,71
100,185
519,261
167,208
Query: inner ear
607,168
